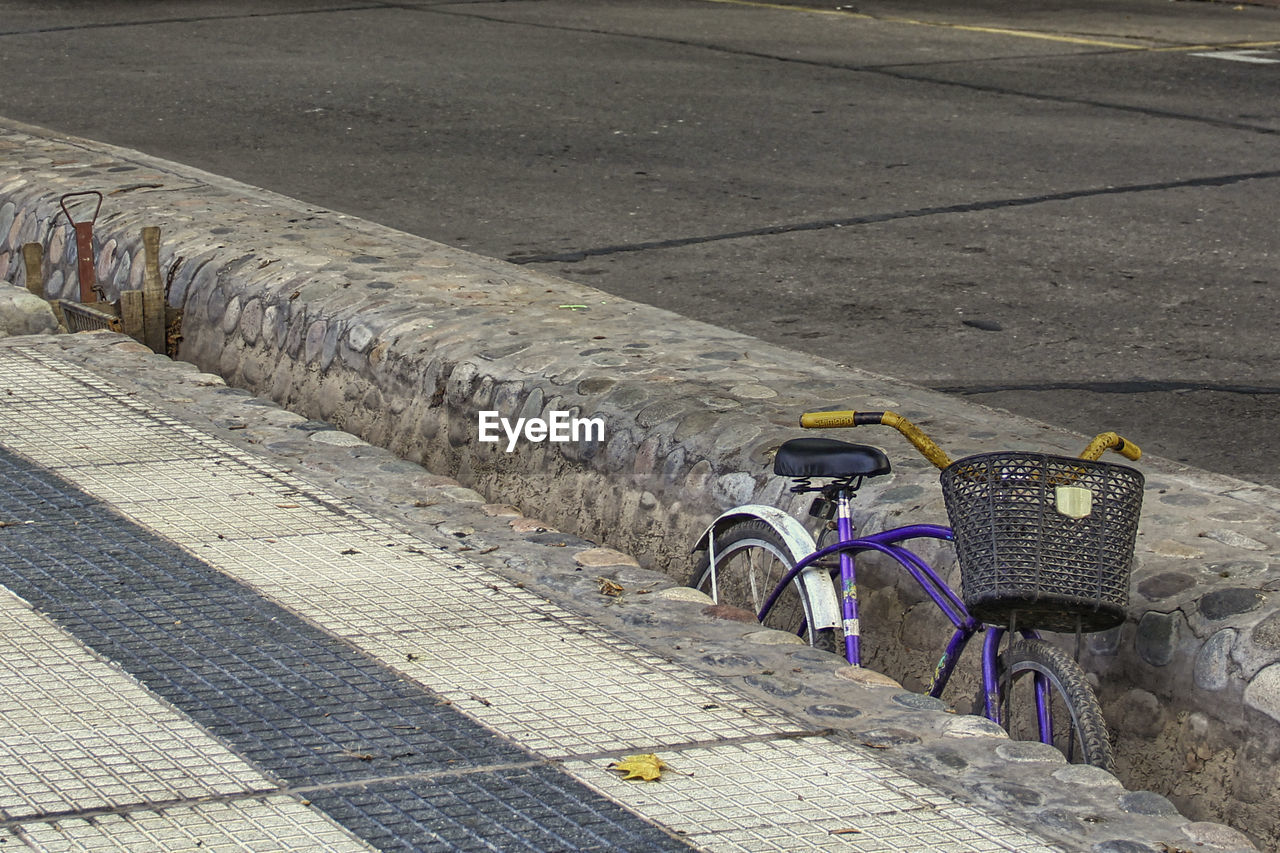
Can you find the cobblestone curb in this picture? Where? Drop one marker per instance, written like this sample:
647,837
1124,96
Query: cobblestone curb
403,342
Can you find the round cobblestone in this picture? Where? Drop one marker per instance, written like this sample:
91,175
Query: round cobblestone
919,702
1235,539
685,593
1145,803
769,637
1263,692
1028,752
1086,776
1216,835
1266,634
1161,586
337,438
971,726
1222,603
1213,661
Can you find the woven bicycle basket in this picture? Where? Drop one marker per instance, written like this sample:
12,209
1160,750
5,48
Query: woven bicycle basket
1045,539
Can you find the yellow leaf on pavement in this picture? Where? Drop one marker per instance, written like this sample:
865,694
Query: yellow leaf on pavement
647,767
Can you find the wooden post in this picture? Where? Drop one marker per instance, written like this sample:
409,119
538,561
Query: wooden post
153,304
131,314
33,256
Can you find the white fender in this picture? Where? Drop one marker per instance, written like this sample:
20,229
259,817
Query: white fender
820,593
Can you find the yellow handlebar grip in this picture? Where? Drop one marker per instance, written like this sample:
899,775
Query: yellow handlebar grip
828,420
1111,441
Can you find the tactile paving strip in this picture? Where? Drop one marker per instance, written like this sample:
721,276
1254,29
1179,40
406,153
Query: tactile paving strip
280,824
76,733
517,809
297,702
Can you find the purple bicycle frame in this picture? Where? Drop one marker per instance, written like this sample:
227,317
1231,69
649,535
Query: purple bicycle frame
887,542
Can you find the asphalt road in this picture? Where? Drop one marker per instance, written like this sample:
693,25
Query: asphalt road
1058,208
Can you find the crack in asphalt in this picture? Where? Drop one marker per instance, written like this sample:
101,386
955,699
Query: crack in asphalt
1149,112
195,19
574,256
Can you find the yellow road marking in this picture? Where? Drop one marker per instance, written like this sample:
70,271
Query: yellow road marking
1002,31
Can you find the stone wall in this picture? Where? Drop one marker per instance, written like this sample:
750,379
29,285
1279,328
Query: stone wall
404,341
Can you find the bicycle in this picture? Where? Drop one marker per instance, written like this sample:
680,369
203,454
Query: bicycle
1043,542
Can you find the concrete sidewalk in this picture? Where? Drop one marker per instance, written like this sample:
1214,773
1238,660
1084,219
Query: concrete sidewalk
204,648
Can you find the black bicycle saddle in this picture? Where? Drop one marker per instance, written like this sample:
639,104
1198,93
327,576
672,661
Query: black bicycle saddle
828,457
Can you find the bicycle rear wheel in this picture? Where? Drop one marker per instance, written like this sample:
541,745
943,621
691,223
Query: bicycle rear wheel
1074,722
751,559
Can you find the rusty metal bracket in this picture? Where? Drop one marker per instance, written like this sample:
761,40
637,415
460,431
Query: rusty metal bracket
85,265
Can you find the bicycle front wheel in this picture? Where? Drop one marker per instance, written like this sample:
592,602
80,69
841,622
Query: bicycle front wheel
751,559
1067,714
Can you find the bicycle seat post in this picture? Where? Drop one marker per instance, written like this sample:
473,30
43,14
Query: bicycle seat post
845,491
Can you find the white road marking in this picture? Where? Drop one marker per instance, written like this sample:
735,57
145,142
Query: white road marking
1260,57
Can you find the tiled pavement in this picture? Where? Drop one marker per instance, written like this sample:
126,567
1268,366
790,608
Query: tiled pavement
201,651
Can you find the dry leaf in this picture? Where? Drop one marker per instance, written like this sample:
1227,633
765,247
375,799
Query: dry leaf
609,587
647,767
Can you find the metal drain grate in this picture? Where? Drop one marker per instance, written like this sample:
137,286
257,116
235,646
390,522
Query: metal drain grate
83,317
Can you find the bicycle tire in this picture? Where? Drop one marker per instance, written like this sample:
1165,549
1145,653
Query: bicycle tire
1085,741
751,559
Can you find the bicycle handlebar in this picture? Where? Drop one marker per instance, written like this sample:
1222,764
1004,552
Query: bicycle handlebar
935,454
832,420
